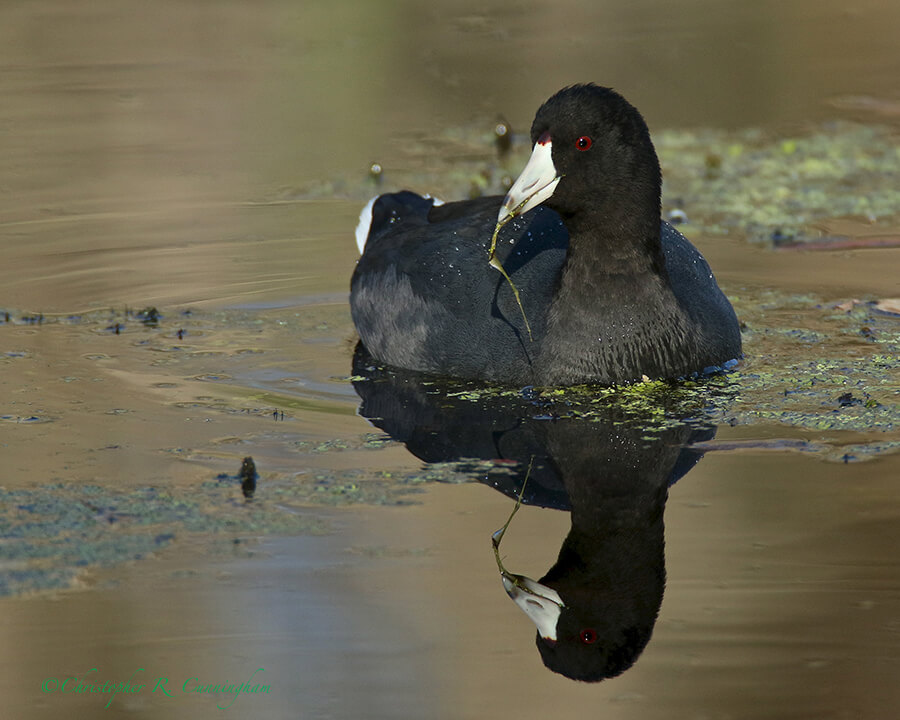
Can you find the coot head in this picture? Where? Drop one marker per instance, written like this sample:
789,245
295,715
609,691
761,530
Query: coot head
593,161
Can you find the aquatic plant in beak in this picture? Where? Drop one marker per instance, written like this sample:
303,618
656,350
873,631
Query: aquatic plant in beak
535,184
541,603
495,263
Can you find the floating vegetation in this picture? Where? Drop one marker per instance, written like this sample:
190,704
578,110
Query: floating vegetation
773,189
750,182
53,532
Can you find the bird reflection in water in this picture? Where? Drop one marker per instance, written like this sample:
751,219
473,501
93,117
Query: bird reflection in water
609,462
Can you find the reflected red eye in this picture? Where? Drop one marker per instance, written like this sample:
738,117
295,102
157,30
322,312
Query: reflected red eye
583,143
589,636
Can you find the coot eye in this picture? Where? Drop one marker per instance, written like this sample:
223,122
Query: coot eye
589,636
583,143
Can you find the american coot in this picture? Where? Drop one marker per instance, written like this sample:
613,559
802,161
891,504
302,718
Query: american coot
612,292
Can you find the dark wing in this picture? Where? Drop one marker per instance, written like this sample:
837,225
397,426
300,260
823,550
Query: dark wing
424,297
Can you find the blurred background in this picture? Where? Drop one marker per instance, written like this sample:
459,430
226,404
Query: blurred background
148,151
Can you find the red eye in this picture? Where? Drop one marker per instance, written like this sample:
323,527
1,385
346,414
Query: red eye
589,636
583,143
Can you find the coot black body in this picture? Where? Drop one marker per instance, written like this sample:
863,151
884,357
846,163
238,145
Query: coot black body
612,292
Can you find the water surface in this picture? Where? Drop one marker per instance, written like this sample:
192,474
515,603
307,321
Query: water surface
210,161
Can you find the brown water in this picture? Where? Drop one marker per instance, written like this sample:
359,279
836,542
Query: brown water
163,154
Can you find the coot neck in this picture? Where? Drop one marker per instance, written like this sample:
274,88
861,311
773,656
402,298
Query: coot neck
614,240
614,316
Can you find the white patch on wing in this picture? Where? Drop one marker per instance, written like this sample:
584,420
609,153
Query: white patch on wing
365,221
364,225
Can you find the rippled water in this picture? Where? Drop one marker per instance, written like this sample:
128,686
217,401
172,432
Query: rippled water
210,161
